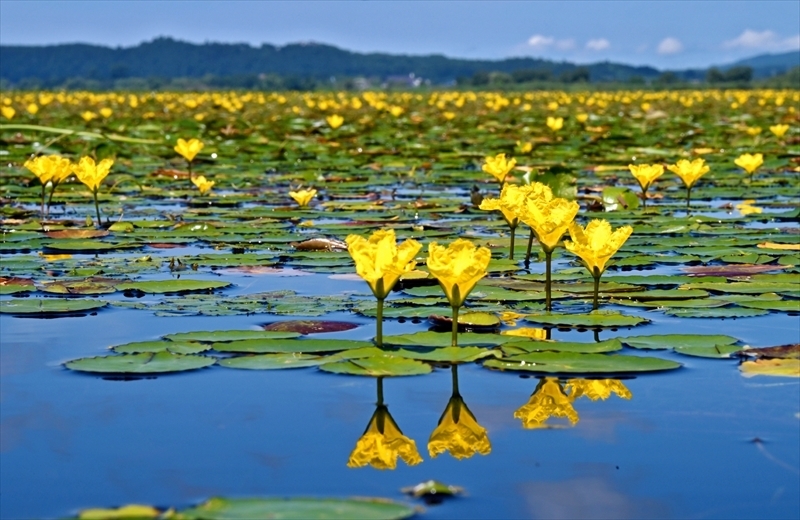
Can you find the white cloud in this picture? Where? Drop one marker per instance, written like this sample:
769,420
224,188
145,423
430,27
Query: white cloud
538,41
670,46
763,41
542,42
600,44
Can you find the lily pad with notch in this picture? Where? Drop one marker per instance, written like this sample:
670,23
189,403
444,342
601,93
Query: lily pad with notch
273,361
176,347
378,366
442,339
46,306
522,347
594,319
172,286
144,363
215,336
263,346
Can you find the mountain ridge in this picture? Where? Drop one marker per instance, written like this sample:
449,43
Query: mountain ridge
165,57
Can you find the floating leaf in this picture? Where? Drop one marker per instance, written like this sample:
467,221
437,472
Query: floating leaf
297,509
171,286
609,345
132,511
592,319
771,367
717,351
450,354
470,320
259,346
78,287
574,363
273,361
378,366
176,347
48,306
444,339
672,341
730,270
310,326
212,336
780,305
145,363
736,312
781,351
77,233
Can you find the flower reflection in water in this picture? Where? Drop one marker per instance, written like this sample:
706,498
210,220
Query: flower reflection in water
552,398
383,442
458,431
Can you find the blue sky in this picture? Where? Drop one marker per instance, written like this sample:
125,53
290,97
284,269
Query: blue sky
665,34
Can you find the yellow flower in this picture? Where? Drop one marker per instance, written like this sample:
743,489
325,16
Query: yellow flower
778,130
49,168
645,174
130,511
596,243
596,389
382,443
524,147
555,123
749,162
458,267
203,184
379,261
509,203
92,174
396,111
88,115
510,318
527,332
303,197
753,130
582,118
335,121
8,112
498,166
189,149
458,432
747,208
548,400
106,112
548,217
449,115
33,108
689,172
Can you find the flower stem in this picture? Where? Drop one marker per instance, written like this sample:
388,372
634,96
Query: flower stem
528,252
42,210
548,255
50,200
688,199
97,209
644,198
454,341
511,251
379,325
380,391
595,304
454,373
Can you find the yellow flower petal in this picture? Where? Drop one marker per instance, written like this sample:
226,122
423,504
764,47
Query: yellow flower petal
596,243
189,149
459,433
458,268
548,400
379,261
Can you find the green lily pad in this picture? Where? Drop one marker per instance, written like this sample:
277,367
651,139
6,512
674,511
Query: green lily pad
522,347
676,341
450,354
444,339
272,361
262,346
144,363
656,294
719,312
717,351
592,319
378,366
779,305
171,286
575,363
78,287
297,509
78,246
213,336
48,306
176,347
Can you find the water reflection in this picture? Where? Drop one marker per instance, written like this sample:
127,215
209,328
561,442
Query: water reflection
383,442
554,398
458,431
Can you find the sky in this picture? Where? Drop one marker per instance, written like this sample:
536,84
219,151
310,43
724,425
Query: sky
664,34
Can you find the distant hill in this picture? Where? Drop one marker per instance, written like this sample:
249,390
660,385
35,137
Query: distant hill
305,65
169,58
767,65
